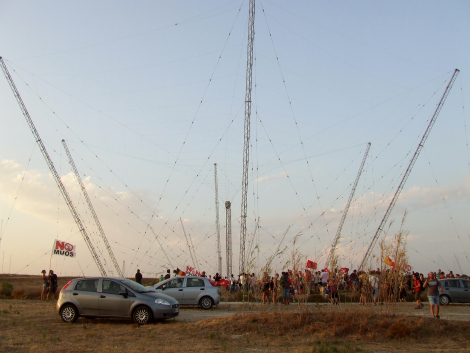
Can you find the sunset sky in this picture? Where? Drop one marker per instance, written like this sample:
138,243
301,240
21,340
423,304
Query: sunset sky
149,95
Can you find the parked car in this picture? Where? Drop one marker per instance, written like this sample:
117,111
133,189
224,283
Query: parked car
190,290
113,297
455,290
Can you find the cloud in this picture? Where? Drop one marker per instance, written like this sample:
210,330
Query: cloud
270,177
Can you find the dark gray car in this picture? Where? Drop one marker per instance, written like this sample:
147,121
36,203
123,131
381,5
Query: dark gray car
190,290
113,297
455,290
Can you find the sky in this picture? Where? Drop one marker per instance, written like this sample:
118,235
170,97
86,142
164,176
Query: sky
149,95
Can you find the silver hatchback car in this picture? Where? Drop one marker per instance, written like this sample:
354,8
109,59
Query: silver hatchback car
456,290
113,297
190,290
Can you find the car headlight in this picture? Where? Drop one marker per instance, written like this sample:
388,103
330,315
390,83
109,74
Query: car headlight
162,302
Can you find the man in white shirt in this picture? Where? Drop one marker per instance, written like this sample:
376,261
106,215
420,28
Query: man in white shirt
324,278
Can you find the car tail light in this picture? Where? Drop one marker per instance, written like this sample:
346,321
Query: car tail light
213,284
68,284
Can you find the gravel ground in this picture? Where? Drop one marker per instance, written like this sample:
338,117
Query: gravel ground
193,314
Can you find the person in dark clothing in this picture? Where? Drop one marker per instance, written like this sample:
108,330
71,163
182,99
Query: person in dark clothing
52,279
167,276
138,277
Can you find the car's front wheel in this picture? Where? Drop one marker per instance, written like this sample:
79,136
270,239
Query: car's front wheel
142,315
206,303
69,313
444,300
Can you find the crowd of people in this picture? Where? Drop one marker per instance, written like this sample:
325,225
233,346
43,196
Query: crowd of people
373,287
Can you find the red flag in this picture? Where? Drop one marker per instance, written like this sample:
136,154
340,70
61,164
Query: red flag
311,264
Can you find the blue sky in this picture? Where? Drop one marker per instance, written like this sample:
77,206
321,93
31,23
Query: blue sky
149,95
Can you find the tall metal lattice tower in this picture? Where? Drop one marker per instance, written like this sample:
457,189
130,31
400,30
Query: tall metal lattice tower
228,237
217,224
408,170
54,173
346,209
246,146
92,209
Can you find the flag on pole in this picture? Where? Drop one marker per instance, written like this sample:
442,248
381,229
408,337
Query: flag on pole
388,261
311,264
63,248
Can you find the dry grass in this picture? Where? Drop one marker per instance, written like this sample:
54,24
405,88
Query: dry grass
35,326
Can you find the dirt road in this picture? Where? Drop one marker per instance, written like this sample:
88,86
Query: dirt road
450,312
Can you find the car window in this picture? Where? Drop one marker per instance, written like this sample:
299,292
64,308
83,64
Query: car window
194,282
466,284
112,287
87,285
452,284
175,283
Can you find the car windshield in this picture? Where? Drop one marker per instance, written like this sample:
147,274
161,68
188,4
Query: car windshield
135,286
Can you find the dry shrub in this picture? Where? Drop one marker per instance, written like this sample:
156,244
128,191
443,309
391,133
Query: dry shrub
18,293
399,330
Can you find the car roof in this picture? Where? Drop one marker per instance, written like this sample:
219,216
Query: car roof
113,278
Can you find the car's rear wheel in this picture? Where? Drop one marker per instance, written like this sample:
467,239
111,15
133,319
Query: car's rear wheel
206,303
444,300
69,313
142,315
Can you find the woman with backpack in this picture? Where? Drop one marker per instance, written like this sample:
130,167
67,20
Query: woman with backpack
417,284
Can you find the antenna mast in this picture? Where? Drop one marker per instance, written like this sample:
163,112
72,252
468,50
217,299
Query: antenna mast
346,209
408,170
246,146
187,242
61,186
217,224
228,237
92,209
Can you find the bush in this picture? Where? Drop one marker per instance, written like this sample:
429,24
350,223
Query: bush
19,294
6,289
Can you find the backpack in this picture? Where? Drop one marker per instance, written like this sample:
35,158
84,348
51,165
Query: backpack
284,283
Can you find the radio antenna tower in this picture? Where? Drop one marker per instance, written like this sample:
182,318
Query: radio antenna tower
246,146
61,186
217,224
228,237
408,170
189,246
92,210
345,212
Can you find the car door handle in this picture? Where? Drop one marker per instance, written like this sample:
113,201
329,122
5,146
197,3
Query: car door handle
201,288
75,293
102,296
180,290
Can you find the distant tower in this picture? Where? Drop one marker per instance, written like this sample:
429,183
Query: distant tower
217,224
228,238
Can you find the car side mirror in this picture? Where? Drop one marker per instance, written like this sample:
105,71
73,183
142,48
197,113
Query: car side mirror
123,293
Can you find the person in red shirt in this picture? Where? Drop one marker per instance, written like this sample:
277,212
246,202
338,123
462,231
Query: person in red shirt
417,290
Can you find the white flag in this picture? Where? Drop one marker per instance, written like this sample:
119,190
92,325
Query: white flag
63,248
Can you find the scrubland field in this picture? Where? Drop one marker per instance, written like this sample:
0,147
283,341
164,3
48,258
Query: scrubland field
34,325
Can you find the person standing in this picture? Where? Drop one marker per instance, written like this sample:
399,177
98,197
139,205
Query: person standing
324,278
45,285
417,290
432,283
167,276
275,288
138,277
265,283
285,288
52,278
374,282
332,287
